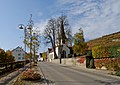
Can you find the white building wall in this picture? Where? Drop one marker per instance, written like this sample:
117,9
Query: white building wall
56,51
18,54
65,48
50,56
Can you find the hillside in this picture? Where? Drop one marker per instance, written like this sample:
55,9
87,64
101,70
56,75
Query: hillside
107,40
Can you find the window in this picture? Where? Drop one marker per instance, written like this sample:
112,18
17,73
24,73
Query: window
23,55
19,54
23,58
19,58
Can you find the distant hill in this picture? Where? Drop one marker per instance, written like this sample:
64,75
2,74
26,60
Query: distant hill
107,40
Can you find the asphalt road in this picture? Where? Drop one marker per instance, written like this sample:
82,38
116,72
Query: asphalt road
65,75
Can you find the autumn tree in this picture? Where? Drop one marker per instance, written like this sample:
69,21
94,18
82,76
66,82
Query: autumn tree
9,56
80,46
44,55
2,56
31,39
35,44
6,57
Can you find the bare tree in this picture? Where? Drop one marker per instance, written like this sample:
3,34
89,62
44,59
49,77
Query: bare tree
50,34
57,31
64,30
64,34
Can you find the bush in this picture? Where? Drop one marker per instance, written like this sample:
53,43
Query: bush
100,51
114,51
81,60
117,73
106,51
30,75
98,63
18,65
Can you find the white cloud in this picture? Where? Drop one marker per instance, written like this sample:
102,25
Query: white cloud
64,2
41,25
97,17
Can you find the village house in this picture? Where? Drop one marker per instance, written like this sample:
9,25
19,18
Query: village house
19,54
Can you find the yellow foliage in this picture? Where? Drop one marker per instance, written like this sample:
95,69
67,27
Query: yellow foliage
44,55
100,51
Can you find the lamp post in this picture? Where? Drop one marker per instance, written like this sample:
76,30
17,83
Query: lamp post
29,27
21,26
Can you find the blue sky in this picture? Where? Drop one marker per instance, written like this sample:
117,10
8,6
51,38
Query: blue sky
96,17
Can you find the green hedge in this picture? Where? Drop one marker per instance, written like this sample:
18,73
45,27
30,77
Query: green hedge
105,51
117,73
114,51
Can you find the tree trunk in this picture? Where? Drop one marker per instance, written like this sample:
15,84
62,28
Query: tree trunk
55,55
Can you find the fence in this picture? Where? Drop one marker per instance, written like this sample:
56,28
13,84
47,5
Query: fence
7,67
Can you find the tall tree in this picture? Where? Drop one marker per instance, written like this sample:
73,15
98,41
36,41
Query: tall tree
64,34
50,34
64,30
57,31
80,46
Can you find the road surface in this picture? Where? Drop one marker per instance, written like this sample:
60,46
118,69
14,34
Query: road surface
65,75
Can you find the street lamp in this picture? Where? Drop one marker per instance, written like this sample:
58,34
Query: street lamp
29,27
21,26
